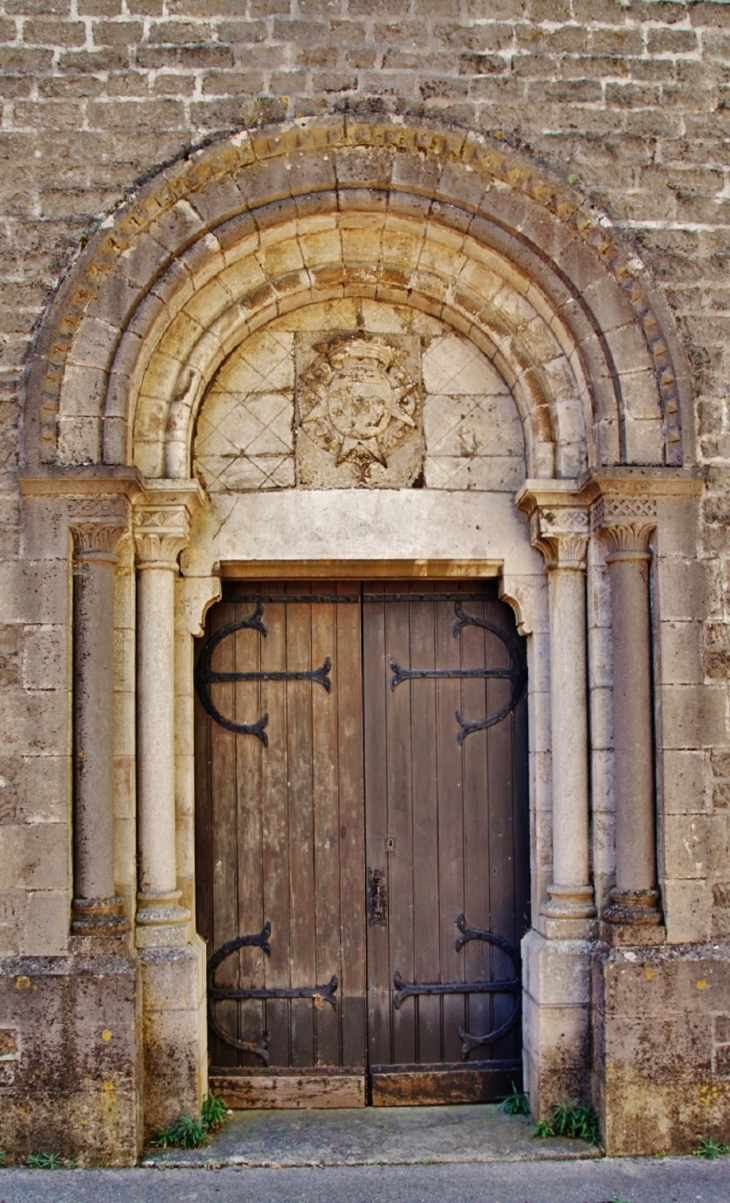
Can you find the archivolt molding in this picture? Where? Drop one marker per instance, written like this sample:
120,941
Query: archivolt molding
235,203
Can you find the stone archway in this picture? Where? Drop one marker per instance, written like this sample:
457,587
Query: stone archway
223,250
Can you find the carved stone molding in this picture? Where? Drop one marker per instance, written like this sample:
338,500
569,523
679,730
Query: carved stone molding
160,534
625,524
559,515
561,535
98,524
162,523
359,410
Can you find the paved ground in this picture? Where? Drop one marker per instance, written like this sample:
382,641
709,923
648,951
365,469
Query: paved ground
374,1136
674,1180
398,1155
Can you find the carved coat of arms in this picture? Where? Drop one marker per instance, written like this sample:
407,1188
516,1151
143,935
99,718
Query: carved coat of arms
359,403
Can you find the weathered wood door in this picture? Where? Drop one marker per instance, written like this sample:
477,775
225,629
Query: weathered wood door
361,842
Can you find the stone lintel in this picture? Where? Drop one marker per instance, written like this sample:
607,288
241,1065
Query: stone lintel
91,481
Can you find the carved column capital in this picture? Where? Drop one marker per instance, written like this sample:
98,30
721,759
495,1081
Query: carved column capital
162,522
160,534
625,525
98,524
559,514
561,534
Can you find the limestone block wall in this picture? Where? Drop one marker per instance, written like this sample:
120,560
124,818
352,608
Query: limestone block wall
624,101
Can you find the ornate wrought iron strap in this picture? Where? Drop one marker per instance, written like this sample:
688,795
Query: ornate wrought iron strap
515,672
205,676
323,993
319,994
470,1042
407,989
505,986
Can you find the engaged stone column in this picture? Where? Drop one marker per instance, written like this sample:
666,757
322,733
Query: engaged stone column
626,524
560,529
97,526
161,531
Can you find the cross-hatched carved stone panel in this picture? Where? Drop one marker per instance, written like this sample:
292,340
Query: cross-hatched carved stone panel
355,394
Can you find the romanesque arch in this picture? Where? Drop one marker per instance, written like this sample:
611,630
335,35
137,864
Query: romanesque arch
382,224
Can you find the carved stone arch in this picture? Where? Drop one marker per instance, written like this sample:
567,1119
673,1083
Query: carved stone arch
570,296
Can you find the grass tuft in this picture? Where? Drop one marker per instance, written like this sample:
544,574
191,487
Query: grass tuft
189,1133
570,1119
710,1149
44,1161
213,1112
516,1103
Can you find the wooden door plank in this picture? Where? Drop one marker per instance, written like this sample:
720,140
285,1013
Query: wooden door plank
450,824
424,743
376,822
223,787
301,825
350,837
501,834
400,826
275,851
247,658
427,1086
476,954
326,828
294,1090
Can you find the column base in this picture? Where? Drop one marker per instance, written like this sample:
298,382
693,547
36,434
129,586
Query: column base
633,908
569,902
99,917
174,1031
161,920
556,1020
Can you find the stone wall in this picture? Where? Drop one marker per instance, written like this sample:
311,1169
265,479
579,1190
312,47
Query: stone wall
625,103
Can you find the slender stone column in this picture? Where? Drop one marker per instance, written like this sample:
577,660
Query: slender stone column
161,531
626,524
97,526
561,533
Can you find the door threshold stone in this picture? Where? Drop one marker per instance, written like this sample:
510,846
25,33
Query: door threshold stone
372,1136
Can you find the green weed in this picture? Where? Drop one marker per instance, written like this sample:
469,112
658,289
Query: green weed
213,1112
570,1119
516,1103
44,1161
710,1149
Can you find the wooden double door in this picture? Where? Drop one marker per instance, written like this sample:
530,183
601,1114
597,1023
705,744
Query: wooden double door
362,842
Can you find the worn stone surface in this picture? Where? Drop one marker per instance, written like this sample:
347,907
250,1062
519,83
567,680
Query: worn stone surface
662,1027
70,1060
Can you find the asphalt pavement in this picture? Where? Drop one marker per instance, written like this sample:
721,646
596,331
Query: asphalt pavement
671,1180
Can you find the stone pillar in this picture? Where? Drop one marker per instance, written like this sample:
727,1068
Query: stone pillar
556,953
160,536
171,955
97,526
561,534
626,524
